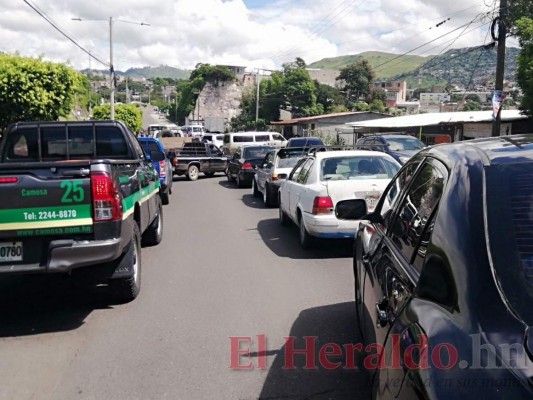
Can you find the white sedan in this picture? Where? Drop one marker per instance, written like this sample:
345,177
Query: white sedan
321,182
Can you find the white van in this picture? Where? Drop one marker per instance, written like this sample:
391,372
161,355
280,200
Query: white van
193,130
234,140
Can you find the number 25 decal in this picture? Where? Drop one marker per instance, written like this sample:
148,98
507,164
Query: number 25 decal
74,193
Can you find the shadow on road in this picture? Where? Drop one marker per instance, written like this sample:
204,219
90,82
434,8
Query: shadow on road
332,324
38,304
284,242
253,202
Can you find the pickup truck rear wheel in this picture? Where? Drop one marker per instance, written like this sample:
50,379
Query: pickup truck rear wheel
165,198
256,191
127,289
154,233
192,173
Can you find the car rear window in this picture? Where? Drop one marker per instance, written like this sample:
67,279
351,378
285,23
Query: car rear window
510,229
357,167
63,142
255,152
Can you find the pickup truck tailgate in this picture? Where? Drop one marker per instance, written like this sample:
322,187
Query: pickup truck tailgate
39,205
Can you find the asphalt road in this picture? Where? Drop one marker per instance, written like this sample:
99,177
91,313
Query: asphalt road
225,268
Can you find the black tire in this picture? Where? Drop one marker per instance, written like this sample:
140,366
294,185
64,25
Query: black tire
268,199
238,181
228,175
306,240
283,219
256,191
209,174
154,233
192,172
165,198
126,289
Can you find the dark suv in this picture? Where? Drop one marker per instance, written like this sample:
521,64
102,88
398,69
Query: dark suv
400,146
443,272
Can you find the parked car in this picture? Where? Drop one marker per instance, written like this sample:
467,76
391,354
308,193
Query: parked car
164,130
241,167
304,142
324,183
400,146
445,263
216,138
193,130
163,167
272,172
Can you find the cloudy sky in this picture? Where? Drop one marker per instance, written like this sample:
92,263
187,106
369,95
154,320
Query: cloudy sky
252,33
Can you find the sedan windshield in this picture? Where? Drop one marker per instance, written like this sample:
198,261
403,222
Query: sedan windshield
358,167
510,230
406,143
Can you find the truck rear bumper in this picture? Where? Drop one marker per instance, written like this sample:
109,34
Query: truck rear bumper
66,255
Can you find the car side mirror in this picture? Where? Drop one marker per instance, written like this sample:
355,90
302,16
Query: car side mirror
354,209
156,156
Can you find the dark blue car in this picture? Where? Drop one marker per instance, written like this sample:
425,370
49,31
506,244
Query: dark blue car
163,168
400,146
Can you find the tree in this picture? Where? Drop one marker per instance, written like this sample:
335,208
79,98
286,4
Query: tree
331,98
31,89
130,114
272,97
300,90
357,79
524,74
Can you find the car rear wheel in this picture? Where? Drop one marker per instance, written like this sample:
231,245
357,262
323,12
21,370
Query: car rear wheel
256,191
192,173
165,198
305,238
283,219
239,182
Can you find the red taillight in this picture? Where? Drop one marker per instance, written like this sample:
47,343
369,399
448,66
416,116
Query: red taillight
107,201
162,169
322,205
247,165
9,179
175,161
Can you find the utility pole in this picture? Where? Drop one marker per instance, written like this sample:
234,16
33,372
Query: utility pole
500,63
257,99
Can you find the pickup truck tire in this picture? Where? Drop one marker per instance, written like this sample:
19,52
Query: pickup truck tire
192,172
209,174
154,233
165,198
127,289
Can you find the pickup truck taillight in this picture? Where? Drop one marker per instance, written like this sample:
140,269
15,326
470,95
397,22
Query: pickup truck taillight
107,202
9,179
162,169
322,205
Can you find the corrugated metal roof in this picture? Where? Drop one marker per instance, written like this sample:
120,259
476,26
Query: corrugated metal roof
295,121
407,121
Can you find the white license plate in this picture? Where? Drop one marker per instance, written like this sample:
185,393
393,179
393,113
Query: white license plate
10,251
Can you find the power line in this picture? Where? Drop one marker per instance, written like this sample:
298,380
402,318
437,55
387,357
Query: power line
51,22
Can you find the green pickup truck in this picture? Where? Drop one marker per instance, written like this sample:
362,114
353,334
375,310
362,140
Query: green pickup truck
77,195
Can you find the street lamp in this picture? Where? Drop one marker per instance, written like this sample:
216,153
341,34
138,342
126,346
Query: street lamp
111,68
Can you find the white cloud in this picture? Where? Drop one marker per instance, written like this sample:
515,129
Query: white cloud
183,33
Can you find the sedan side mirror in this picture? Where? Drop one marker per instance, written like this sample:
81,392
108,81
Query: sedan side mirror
354,209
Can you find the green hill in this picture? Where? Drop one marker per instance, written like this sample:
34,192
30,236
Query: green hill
386,65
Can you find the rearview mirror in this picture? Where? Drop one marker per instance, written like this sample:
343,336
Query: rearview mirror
354,209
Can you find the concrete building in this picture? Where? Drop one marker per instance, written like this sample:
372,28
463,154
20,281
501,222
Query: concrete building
395,91
427,99
331,125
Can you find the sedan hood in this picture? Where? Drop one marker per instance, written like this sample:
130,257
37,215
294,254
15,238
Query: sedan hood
369,190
